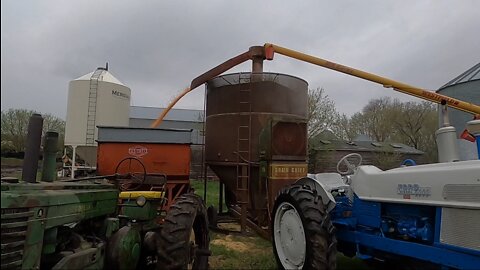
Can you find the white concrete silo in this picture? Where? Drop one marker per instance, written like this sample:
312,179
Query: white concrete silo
95,99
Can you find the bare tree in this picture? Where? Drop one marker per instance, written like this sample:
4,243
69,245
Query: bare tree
378,118
322,114
53,123
15,126
384,119
416,125
347,128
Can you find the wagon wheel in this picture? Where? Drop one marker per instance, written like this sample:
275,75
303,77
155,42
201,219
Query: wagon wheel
135,179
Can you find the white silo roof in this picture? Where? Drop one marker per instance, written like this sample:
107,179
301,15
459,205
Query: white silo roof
105,77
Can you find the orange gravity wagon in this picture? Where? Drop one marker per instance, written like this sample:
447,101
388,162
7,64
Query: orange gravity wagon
164,153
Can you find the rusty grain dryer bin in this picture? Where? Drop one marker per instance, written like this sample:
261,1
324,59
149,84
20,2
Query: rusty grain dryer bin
256,137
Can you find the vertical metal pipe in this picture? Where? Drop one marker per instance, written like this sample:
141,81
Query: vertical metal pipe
63,160
205,183
220,198
446,138
257,65
243,218
74,161
50,149
32,150
257,54
204,165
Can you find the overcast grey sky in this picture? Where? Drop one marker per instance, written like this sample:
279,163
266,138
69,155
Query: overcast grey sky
157,47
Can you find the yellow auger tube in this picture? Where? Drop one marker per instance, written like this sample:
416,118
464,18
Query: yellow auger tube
271,48
401,87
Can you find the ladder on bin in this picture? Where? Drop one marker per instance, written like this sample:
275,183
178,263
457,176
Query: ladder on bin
243,153
92,107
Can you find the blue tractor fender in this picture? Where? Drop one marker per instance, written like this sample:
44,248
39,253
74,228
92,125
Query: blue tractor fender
321,190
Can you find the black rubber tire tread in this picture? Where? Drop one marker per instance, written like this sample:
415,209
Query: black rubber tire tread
321,250
188,212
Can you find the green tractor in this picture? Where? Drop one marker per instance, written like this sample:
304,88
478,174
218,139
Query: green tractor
90,224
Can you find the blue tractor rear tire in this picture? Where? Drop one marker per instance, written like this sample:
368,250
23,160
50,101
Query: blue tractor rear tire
301,220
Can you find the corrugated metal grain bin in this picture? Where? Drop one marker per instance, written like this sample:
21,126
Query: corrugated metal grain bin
464,87
162,151
95,99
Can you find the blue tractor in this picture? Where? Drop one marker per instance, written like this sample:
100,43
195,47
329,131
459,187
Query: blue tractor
411,217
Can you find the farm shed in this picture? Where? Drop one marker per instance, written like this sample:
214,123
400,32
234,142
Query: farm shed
325,155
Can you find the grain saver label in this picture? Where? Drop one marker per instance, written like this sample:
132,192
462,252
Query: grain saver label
288,171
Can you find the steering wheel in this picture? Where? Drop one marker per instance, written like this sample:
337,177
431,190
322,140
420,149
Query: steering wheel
136,178
408,162
350,167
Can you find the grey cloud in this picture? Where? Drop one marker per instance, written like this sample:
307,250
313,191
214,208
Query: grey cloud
157,47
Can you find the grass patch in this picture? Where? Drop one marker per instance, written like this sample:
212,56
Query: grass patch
252,252
248,252
345,263
240,252
18,174
12,167
11,162
212,192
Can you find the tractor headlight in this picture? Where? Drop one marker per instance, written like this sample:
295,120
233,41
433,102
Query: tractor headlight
141,201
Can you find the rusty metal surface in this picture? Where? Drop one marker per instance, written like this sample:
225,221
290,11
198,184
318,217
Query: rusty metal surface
284,139
287,170
219,69
236,212
258,55
276,95
172,160
247,113
282,174
255,53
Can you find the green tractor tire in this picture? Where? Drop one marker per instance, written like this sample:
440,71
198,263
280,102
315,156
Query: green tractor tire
184,236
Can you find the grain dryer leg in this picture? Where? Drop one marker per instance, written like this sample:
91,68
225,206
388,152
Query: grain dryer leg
74,157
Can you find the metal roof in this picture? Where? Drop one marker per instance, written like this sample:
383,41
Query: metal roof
144,135
182,115
470,75
366,146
